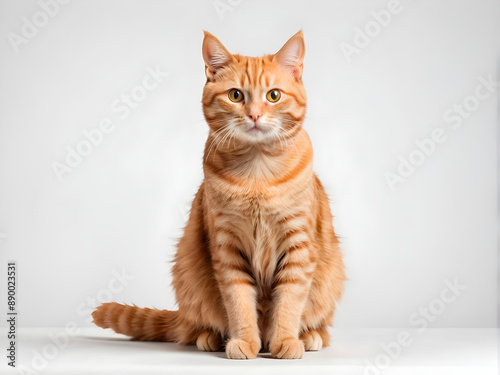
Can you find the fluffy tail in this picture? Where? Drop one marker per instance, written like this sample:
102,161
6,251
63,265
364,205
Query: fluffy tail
142,324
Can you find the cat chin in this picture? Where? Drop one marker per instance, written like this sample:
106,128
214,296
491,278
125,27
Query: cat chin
256,137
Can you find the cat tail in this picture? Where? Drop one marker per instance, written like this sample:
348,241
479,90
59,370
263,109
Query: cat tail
141,324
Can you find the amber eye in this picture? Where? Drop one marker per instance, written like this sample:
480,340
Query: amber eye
274,95
235,95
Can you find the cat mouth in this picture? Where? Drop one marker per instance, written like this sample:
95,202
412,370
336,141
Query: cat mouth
257,132
255,129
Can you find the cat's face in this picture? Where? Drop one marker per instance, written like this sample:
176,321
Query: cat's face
256,100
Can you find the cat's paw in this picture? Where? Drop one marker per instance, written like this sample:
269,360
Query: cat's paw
312,340
208,341
290,348
239,349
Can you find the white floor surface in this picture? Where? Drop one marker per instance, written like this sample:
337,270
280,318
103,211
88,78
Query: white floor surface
353,351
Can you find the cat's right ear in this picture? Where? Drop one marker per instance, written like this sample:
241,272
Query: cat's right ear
216,56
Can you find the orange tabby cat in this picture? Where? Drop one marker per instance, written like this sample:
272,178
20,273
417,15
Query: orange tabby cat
259,265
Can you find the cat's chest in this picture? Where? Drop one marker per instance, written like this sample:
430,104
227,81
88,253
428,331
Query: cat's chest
255,213
264,238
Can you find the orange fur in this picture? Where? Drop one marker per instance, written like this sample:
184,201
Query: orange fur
259,264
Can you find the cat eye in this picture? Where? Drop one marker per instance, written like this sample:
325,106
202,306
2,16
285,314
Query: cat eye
274,95
235,95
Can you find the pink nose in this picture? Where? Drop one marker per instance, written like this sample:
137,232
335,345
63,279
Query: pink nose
254,116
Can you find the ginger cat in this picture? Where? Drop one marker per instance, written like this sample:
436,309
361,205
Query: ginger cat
259,266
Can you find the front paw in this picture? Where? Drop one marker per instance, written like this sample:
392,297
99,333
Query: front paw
290,348
239,349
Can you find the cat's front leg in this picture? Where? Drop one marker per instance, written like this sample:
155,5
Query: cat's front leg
239,296
290,290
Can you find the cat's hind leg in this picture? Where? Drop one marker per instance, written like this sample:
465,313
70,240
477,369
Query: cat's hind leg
315,339
209,341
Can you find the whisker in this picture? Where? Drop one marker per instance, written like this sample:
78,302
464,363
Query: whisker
222,140
216,135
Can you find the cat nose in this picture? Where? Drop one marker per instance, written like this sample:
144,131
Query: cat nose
255,116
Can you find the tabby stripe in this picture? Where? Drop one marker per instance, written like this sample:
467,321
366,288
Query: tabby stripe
222,175
294,264
289,280
225,231
298,247
133,312
225,257
230,249
109,315
297,99
230,245
246,71
288,113
287,218
123,319
295,130
138,322
236,281
212,118
256,67
212,98
308,274
261,73
223,217
300,167
228,107
299,118
298,239
241,282
152,324
291,232
231,266
235,267
242,81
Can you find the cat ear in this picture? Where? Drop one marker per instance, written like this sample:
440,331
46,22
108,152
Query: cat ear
291,55
216,56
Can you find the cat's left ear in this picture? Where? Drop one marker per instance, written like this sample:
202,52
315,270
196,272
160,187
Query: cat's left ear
216,56
291,55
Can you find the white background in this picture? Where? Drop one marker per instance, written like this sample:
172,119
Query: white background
126,204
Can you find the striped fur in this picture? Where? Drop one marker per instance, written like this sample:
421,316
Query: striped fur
259,265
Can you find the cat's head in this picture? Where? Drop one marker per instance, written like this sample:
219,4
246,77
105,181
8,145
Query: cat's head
255,100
